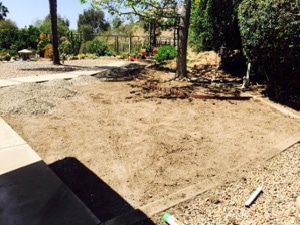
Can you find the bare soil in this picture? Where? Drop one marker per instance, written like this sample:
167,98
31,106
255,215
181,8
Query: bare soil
142,143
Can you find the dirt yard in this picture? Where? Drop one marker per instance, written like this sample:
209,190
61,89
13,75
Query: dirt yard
144,144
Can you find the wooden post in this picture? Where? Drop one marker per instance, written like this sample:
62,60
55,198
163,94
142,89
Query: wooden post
246,79
117,44
248,72
130,40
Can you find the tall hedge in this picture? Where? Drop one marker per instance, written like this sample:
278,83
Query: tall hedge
8,37
270,32
215,22
201,32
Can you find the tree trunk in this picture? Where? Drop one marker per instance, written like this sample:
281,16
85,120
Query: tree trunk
183,32
54,36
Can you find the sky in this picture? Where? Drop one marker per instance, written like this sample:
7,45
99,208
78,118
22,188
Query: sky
25,13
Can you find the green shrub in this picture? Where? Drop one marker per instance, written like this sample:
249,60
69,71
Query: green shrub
124,55
270,37
84,47
213,24
98,48
165,53
4,56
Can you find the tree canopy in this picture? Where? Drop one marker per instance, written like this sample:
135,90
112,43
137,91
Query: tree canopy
8,36
62,25
92,21
145,8
215,25
3,11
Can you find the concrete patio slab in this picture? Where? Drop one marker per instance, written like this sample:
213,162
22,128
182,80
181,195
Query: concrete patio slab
16,157
8,137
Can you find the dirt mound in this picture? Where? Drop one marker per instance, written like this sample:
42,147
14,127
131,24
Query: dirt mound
34,98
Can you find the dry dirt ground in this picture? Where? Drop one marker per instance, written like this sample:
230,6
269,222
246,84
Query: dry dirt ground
138,144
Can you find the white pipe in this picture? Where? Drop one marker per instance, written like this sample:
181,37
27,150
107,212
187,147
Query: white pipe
253,196
171,220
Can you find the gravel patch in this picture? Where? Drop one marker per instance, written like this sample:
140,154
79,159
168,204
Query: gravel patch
280,178
31,98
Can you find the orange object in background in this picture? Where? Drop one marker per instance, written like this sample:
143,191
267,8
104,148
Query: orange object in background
143,52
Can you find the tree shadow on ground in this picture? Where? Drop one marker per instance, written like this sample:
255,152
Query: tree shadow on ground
201,80
98,196
289,97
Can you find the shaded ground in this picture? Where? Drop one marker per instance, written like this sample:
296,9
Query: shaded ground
143,143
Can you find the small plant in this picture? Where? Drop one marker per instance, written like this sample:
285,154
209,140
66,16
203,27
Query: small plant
110,53
98,48
48,51
5,56
165,53
124,55
81,56
73,57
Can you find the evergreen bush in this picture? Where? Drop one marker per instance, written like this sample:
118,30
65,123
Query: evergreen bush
98,48
271,42
214,26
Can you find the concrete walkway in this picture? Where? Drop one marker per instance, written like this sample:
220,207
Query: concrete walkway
66,75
